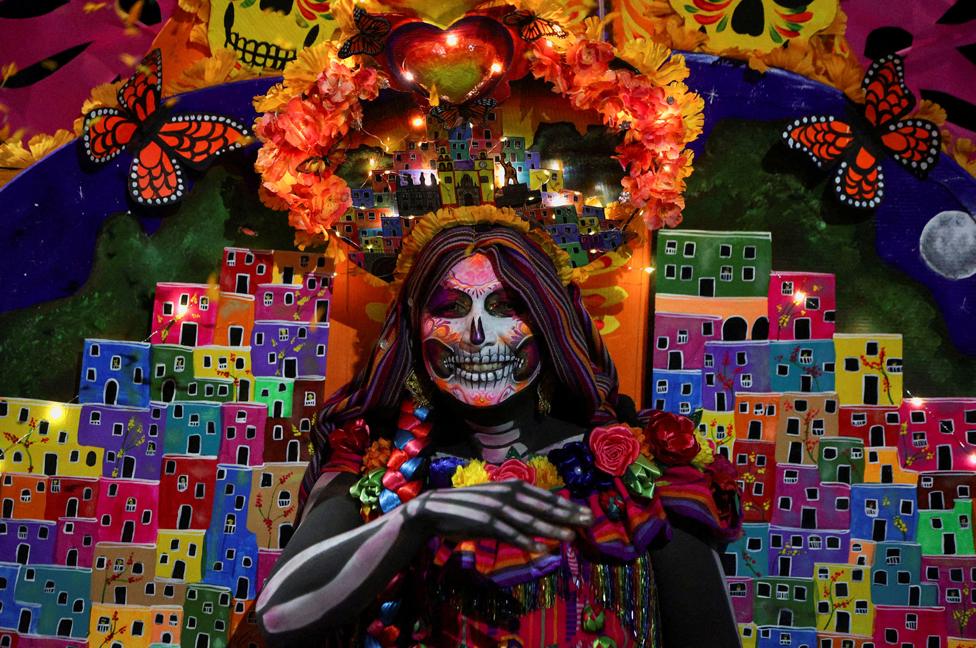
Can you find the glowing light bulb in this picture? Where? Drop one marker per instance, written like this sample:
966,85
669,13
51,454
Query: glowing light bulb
181,311
408,75
496,67
417,122
56,413
372,163
799,297
649,269
452,39
917,402
548,42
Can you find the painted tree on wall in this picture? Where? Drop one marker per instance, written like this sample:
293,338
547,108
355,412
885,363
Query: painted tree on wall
25,441
133,437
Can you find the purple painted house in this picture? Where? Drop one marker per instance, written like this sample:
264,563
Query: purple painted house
956,579
679,340
289,349
243,442
28,542
305,302
792,552
75,543
733,367
803,502
132,438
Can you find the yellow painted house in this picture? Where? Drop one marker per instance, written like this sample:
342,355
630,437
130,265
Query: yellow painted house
551,178
717,430
179,554
290,267
868,368
843,598
881,466
38,436
748,634
212,361
129,625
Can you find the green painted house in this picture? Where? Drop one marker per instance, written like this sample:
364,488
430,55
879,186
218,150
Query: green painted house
171,371
782,601
947,532
713,264
841,460
276,393
206,617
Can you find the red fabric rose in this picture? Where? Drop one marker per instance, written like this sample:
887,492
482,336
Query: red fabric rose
614,448
511,469
672,438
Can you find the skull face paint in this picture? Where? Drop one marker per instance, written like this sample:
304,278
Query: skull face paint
477,346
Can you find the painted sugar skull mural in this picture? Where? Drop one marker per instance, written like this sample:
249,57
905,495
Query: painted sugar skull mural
268,34
477,345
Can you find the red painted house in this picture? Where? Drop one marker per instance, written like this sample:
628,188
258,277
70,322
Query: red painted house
756,463
183,313
186,491
126,510
802,305
876,425
243,269
899,626
71,497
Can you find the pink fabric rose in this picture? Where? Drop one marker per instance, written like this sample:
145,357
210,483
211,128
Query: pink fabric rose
614,448
511,469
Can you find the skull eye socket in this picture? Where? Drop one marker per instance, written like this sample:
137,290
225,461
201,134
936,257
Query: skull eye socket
448,302
502,303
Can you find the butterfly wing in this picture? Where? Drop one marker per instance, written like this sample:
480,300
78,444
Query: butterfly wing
886,97
154,177
531,27
859,181
447,114
823,138
915,143
369,40
140,94
478,110
106,133
198,139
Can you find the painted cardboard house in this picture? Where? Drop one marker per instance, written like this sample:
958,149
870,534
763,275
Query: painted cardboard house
741,595
714,264
231,550
308,396
172,371
132,438
186,492
876,425
782,601
793,552
756,463
243,269
206,616
114,373
193,428
44,439
290,266
803,365
731,368
804,420
896,576
678,392
121,572
28,542
179,554
742,318
900,626
228,363
954,577
776,637
276,393
803,502
947,532
62,596
841,460
243,430
274,493
757,415
748,555
75,543
126,510
235,318
882,466
289,349
844,598
183,314
716,430
940,433
868,368
802,305
70,497
938,490
23,497
284,442
883,512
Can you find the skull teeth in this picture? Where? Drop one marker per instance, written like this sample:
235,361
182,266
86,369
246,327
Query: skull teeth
259,53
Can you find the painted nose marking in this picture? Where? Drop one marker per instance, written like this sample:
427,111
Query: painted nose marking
477,332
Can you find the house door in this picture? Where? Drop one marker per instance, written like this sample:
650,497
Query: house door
193,444
760,329
242,585
806,383
801,328
879,530
948,544
285,532
244,390
23,625
675,360
843,622
785,618
719,402
203,641
914,595
706,287
287,275
291,368
128,531
235,335
755,431
50,463
735,328
243,283
23,553
111,392
322,310
179,570
785,564
128,467
188,334
870,396
71,558
796,453
185,515
168,392
277,409
944,457
808,518
64,628
936,501
292,453
887,475
877,437
71,510
8,508
844,474
243,456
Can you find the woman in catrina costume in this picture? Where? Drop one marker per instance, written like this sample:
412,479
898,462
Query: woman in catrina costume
481,483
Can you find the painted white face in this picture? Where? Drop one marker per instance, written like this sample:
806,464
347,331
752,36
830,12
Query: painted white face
477,346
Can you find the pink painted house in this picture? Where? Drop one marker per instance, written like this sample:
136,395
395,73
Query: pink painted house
940,434
126,510
956,578
679,340
266,562
740,589
243,269
75,544
802,305
899,626
183,314
876,425
243,442
803,502
186,491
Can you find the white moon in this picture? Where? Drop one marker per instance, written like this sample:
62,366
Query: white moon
948,244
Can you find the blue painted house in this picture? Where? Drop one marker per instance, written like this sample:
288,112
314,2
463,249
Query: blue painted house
749,555
63,595
884,512
115,373
230,549
193,428
679,392
896,576
801,365
14,614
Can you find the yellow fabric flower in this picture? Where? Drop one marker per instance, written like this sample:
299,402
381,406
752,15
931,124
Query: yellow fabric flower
546,475
705,455
471,475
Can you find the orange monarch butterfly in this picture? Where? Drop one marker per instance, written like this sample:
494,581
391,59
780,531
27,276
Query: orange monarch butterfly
371,36
532,27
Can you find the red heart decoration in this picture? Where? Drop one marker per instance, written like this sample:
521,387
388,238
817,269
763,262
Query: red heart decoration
461,63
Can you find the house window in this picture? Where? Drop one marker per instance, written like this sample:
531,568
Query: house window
907,507
806,356
671,247
199,491
687,273
116,362
309,399
745,380
786,288
182,483
130,505
860,607
814,542
689,249
725,251
740,358
670,271
662,386
707,329
709,360
725,273
682,336
791,476
283,334
284,499
179,363
871,507
749,252
782,592
104,624
95,418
